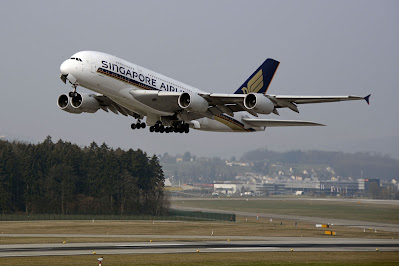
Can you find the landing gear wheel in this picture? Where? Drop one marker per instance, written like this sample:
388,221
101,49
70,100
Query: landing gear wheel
133,126
143,125
152,129
161,129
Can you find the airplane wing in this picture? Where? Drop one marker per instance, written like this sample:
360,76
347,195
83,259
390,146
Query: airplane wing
281,101
108,104
277,123
220,103
316,99
165,101
234,102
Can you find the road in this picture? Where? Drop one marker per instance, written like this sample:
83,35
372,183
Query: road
267,244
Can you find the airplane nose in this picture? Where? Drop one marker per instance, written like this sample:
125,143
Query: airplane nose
64,68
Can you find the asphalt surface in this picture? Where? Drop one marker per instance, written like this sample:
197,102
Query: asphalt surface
273,244
195,243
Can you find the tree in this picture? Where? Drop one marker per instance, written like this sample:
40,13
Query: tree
64,178
128,193
60,188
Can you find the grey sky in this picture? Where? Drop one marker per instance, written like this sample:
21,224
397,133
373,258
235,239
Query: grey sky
325,48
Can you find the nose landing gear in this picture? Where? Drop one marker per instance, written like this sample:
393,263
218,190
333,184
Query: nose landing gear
72,80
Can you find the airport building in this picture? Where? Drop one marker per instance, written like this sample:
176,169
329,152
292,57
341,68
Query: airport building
309,186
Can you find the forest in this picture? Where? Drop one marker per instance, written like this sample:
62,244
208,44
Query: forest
64,178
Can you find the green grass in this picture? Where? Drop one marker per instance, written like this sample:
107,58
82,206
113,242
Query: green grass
385,213
245,258
127,230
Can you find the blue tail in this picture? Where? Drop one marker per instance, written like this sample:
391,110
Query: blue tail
260,80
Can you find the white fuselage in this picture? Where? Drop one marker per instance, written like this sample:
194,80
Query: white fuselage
115,78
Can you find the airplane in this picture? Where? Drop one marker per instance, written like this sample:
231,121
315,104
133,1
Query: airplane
172,106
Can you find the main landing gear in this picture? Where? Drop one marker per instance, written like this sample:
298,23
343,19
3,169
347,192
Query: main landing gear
138,125
177,128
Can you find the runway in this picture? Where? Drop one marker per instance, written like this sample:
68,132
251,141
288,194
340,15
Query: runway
273,244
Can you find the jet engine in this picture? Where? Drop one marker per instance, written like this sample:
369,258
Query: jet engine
258,103
85,102
64,103
78,104
193,102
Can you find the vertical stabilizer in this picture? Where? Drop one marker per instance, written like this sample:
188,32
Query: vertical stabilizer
260,80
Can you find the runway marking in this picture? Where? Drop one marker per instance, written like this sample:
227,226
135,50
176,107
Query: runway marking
151,245
248,248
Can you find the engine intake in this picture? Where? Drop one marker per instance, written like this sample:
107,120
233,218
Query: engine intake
258,103
193,102
78,104
85,102
64,103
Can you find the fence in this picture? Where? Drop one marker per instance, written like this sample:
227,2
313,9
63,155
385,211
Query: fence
199,215
173,215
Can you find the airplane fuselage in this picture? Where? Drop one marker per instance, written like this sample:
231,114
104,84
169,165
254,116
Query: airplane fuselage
116,78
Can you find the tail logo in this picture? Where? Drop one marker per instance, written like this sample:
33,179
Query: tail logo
255,84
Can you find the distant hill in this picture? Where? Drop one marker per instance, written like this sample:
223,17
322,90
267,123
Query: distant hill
355,165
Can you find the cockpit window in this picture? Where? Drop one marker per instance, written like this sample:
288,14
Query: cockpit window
77,59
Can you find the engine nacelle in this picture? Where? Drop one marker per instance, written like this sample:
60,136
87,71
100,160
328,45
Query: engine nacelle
64,103
258,103
78,104
193,102
85,102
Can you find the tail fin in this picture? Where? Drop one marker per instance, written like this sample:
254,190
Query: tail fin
260,80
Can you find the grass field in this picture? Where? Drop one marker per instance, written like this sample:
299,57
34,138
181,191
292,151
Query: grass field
245,258
350,210
244,226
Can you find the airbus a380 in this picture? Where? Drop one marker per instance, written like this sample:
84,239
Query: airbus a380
172,106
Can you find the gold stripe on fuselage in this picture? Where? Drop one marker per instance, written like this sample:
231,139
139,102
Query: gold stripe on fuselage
137,84
230,123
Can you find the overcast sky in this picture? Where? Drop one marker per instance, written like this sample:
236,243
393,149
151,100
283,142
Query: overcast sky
325,48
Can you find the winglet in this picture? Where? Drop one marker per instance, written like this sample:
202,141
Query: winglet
367,98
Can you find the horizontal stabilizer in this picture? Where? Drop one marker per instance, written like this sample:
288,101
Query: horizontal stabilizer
277,123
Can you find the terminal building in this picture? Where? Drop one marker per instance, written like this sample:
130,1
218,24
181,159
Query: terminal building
349,188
